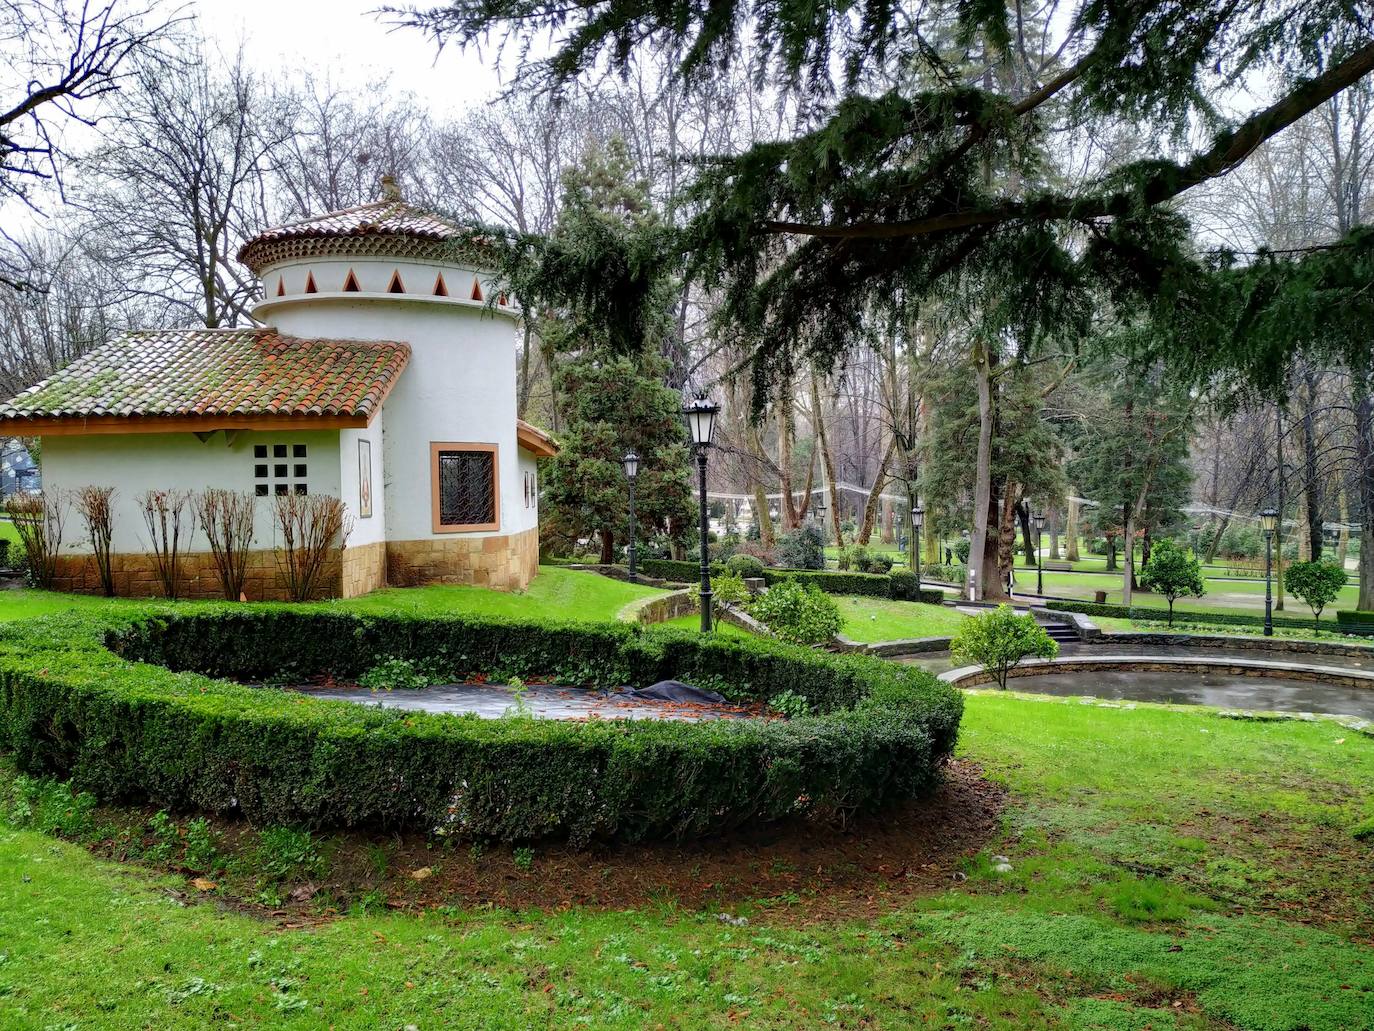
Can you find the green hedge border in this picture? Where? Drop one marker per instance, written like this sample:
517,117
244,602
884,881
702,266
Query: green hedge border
899,586
127,708
1088,608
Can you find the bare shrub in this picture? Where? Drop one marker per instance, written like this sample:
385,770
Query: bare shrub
170,518
309,525
227,518
94,506
39,520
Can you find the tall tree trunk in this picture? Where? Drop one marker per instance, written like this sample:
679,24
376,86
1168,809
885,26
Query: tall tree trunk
788,509
828,464
1006,533
1054,533
522,399
1029,547
760,463
1071,530
1364,478
1311,485
875,494
982,476
607,547
1128,555
1343,542
1300,531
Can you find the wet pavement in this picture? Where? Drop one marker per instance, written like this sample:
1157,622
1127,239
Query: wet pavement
1223,690
546,701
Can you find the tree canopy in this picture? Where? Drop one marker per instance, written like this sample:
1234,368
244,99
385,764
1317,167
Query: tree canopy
919,166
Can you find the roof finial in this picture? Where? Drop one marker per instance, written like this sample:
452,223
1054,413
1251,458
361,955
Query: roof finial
391,190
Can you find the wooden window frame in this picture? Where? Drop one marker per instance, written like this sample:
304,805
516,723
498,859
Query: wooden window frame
436,446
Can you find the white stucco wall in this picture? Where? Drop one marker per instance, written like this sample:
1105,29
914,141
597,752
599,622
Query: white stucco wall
137,462
458,387
529,514
365,531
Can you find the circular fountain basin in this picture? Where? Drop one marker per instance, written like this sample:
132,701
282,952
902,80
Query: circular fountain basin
1233,683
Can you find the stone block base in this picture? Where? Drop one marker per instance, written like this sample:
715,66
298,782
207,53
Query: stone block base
505,562
135,576
363,569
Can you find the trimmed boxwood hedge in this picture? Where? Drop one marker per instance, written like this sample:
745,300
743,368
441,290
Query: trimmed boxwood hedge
127,708
1088,608
1355,621
900,585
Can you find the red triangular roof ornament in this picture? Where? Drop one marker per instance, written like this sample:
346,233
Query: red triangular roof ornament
351,283
310,283
440,287
396,286
476,289
281,287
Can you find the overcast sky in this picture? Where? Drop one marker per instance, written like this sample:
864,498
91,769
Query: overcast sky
353,47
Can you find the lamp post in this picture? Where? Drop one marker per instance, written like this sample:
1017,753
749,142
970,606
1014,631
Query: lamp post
918,518
1039,520
631,463
1269,521
701,415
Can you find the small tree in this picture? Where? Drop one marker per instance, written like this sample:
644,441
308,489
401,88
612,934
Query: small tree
227,517
39,519
999,640
800,613
93,504
1316,583
171,520
309,524
1173,573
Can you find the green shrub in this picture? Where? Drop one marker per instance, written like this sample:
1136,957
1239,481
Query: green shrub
730,587
744,566
121,705
50,806
998,640
673,570
791,704
799,612
801,549
395,675
961,548
284,853
1173,573
1316,583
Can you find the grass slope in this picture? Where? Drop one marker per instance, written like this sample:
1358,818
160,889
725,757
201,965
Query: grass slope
554,594
1170,869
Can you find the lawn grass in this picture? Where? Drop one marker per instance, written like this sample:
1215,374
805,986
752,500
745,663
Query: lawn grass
879,619
1169,869
554,594
692,621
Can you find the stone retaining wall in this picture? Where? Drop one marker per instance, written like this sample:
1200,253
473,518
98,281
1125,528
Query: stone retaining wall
1238,642
663,607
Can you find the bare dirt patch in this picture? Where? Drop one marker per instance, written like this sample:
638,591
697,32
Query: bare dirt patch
803,872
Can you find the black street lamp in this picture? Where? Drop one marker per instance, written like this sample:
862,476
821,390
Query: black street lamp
701,421
631,463
1039,520
1269,522
918,518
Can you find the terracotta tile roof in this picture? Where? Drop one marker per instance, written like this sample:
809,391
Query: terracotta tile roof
534,440
216,372
380,218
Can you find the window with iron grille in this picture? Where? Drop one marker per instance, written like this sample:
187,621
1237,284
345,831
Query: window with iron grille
464,484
